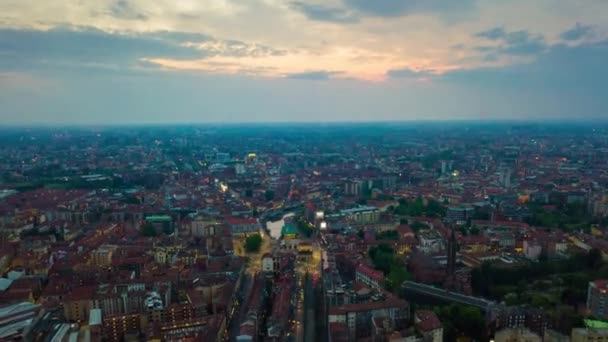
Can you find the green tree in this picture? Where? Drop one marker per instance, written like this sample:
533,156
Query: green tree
167,228
382,256
396,277
594,258
387,235
269,195
148,230
416,226
253,243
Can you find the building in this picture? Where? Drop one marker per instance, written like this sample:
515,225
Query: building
554,336
289,231
532,249
358,316
597,298
354,188
428,325
369,276
203,227
589,335
14,319
513,318
362,214
243,226
162,223
267,263
516,335
459,214
102,256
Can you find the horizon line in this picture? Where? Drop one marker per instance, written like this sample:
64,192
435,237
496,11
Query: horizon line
480,121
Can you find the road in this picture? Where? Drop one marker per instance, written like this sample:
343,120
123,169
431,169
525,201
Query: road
309,311
299,312
255,259
237,318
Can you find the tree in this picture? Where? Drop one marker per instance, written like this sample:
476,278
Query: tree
167,228
387,235
416,226
594,258
396,277
253,243
460,319
382,257
269,195
148,230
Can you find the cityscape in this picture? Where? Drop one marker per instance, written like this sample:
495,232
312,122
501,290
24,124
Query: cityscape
343,232
303,171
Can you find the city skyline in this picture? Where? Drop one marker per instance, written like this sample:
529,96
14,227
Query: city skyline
227,61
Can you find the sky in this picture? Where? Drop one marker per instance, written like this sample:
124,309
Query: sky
231,61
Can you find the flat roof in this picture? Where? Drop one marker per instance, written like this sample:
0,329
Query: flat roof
289,229
159,218
592,323
95,317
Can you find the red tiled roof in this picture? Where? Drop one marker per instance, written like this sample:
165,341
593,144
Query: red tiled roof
369,306
239,220
601,284
426,320
370,272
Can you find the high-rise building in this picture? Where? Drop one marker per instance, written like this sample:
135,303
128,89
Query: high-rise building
597,298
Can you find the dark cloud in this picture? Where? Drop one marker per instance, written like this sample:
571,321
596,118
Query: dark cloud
87,45
577,32
561,67
407,73
564,81
124,10
492,34
313,75
74,47
323,13
517,43
523,43
395,8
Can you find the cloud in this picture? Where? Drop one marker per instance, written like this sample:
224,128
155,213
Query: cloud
495,33
408,73
313,75
87,45
72,47
323,13
396,8
515,43
122,9
577,32
235,48
561,67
